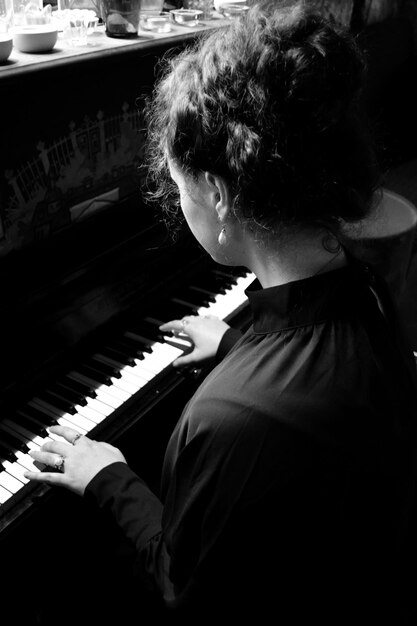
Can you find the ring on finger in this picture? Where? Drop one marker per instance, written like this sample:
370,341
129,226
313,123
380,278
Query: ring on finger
75,438
59,463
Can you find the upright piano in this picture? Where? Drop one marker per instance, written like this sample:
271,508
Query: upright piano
88,271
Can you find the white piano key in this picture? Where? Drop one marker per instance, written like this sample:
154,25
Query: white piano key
106,391
9,482
227,303
64,422
5,494
162,356
16,470
134,378
124,385
76,421
90,414
112,401
103,409
139,371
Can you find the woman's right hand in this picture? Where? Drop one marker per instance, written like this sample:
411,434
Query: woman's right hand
203,331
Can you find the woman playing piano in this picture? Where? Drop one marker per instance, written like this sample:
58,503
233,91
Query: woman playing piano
289,481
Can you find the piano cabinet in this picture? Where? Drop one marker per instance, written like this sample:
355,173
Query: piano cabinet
84,261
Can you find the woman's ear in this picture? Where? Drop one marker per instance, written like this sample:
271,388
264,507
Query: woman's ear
220,195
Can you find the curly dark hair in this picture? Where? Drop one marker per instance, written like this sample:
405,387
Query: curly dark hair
271,104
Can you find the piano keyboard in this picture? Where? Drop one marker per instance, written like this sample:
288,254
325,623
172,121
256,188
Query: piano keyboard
87,395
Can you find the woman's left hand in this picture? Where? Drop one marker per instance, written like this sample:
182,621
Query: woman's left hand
78,459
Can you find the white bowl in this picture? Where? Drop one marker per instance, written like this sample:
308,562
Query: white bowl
218,3
40,38
6,45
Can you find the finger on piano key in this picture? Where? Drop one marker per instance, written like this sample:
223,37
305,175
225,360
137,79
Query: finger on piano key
28,463
178,342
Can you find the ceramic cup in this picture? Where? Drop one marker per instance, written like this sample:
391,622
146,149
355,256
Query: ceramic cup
6,23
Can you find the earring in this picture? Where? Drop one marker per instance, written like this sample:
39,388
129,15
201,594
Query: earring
222,237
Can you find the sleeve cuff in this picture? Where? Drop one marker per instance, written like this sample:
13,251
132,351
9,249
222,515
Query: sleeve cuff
136,509
230,337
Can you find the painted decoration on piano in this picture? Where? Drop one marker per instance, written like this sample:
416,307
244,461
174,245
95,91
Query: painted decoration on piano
94,166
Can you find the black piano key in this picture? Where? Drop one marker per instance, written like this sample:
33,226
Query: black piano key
11,441
173,311
215,282
213,286
6,454
94,375
34,426
40,416
56,401
103,368
117,355
65,393
146,329
206,292
88,391
195,297
133,346
23,440
227,278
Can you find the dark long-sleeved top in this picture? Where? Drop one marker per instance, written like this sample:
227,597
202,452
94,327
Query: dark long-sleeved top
288,483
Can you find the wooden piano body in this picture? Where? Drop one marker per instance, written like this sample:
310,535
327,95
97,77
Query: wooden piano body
81,255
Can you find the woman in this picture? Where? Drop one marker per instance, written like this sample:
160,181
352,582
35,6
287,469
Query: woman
289,481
